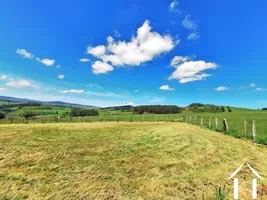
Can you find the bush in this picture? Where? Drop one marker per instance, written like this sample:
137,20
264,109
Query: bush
2,115
84,112
28,115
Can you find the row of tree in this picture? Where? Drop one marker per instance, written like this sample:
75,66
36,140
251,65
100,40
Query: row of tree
84,112
157,109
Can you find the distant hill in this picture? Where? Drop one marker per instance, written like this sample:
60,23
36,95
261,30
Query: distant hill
57,103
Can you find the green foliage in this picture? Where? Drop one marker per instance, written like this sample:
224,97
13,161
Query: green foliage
157,109
223,109
28,115
206,108
84,112
2,115
264,109
229,109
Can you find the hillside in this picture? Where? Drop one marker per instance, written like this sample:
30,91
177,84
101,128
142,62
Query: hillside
5,99
123,161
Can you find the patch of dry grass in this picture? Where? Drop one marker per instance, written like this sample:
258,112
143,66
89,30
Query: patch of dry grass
122,161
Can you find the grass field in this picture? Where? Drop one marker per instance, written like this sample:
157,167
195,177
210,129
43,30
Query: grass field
235,120
122,160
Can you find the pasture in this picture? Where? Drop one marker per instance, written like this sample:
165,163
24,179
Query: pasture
123,160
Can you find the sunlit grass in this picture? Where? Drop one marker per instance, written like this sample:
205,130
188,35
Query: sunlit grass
121,160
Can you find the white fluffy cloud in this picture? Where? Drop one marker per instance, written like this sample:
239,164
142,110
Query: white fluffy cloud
84,59
101,67
221,88
166,87
189,23
3,77
97,51
24,53
46,61
2,89
21,83
173,5
72,91
61,76
252,85
193,36
188,71
142,48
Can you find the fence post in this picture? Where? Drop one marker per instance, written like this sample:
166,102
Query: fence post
195,119
156,118
115,116
225,125
216,123
245,129
190,119
209,123
254,130
201,121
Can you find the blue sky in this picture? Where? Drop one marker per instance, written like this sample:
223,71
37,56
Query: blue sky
119,52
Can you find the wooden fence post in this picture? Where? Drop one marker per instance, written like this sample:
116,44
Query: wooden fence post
201,121
190,119
216,123
156,118
254,130
245,129
225,125
209,123
195,119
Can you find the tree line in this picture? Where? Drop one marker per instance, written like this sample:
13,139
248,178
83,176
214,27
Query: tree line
84,112
157,109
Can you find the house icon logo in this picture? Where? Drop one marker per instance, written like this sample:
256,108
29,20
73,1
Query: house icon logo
254,181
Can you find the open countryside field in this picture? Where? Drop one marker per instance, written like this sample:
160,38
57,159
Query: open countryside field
235,119
122,160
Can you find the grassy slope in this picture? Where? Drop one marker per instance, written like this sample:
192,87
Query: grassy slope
121,161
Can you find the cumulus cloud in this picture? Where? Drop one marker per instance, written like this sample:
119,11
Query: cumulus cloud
21,83
173,5
189,23
166,88
143,47
24,53
2,89
193,36
101,67
46,61
61,76
252,85
84,60
129,103
188,71
97,51
3,77
221,88
72,91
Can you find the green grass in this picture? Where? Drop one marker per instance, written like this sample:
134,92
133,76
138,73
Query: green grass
119,160
235,119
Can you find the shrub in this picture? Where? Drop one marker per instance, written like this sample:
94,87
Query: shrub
157,109
28,115
2,115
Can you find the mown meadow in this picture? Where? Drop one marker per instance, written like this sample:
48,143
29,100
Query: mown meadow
124,160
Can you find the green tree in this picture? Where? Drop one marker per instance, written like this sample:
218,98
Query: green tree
229,109
223,109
